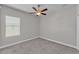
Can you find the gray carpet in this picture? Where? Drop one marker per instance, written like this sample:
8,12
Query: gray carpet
39,46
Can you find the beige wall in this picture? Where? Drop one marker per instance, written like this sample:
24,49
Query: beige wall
60,25
29,25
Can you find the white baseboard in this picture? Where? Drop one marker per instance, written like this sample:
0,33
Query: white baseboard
12,44
59,42
8,45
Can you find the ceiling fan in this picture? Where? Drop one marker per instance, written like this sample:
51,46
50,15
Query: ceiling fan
39,11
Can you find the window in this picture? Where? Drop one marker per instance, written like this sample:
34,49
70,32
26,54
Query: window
12,26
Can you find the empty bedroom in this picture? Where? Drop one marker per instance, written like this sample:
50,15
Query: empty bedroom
39,29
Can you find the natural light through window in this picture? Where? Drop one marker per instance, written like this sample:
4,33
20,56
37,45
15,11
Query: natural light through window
12,26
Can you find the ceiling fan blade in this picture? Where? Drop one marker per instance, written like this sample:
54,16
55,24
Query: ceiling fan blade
44,10
34,8
43,14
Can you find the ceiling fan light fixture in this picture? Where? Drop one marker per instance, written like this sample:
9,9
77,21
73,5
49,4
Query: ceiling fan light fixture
38,13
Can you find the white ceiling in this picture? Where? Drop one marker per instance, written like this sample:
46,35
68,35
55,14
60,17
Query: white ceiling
28,7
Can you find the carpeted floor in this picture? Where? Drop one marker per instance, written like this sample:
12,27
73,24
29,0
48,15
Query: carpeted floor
39,46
